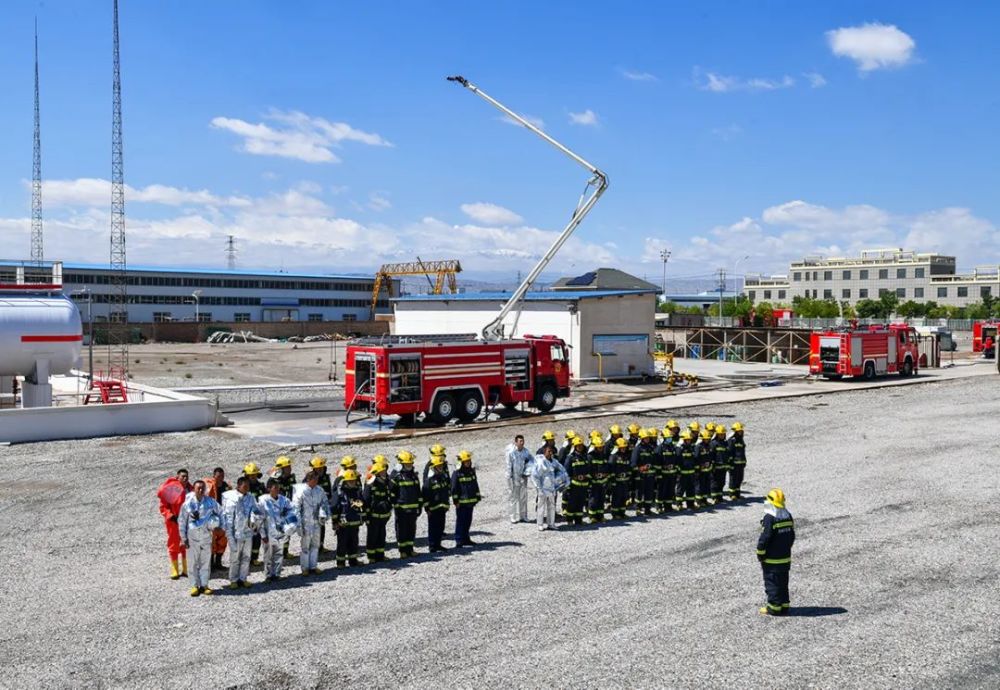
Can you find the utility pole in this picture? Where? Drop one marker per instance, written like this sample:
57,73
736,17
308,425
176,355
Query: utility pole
231,253
118,331
37,249
665,256
722,287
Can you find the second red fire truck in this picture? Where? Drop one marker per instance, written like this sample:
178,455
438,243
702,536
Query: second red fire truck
864,352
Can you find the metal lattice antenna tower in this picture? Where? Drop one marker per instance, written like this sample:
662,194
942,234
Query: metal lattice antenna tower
37,247
118,297
231,253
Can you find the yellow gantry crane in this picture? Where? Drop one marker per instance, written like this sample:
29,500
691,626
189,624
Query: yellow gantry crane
444,270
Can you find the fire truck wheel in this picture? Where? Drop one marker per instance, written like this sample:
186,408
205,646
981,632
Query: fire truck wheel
444,408
469,406
907,369
869,371
546,398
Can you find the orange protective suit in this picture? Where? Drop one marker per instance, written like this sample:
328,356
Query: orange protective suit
219,540
171,494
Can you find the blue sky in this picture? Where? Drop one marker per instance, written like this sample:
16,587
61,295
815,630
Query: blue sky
325,137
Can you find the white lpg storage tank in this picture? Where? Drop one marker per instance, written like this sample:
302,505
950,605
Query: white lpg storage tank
39,336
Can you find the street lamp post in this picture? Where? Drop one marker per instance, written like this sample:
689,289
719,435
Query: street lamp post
197,301
665,256
90,329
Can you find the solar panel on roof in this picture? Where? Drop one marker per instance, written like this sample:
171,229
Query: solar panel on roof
585,279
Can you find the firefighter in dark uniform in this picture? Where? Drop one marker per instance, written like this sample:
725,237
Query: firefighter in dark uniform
738,458
598,457
465,494
346,463
378,510
614,433
318,465
645,461
774,551
720,463
578,468
286,480
667,481
548,440
256,489
566,448
404,489
633,441
704,455
620,477
687,471
437,498
437,450
348,513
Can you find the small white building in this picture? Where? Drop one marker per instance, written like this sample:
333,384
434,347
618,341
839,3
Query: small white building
610,332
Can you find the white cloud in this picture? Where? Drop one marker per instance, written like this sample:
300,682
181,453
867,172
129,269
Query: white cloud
536,121
588,118
718,83
872,46
638,76
296,135
816,80
491,214
379,201
92,191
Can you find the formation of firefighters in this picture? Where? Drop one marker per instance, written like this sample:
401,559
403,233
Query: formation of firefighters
640,469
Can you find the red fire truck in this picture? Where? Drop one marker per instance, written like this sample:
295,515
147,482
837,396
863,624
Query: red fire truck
981,330
866,352
446,377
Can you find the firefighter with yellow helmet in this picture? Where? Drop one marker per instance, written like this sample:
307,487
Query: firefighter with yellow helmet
738,459
348,514
407,501
465,494
378,508
774,551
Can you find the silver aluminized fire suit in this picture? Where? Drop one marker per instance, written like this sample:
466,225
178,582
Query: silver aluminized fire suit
313,510
197,521
240,519
518,471
280,522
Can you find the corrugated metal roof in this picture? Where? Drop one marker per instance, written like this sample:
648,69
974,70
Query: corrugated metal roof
547,296
67,266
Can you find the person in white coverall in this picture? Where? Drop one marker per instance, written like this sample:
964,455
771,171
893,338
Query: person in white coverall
240,518
198,519
519,461
546,476
313,510
279,524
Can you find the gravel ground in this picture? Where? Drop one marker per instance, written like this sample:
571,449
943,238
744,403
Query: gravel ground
895,578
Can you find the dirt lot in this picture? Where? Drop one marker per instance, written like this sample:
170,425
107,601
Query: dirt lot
894,582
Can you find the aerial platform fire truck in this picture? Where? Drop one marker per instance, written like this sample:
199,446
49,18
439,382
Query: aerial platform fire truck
456,376
864,352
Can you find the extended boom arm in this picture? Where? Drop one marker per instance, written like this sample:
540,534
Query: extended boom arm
596,186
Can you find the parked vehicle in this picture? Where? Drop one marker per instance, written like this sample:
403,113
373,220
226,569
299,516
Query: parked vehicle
864,352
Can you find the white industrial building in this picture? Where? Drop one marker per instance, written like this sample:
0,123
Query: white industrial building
610,332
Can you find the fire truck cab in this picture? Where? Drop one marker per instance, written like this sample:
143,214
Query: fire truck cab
446,377
864,352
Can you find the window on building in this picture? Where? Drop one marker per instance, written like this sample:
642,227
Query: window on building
162,316
900,272
846,275
315,317
827,275
827,294
796,276
807,275
918,273
752,294
815,275
814,294
901,292
241,316
882,291
963,292
985,291
863,293
918,293
942,292
863,274
845,294
349,317
781,294
883,274
767,294
205,316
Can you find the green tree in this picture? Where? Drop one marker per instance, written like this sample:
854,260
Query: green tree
910,309
847,311
889,302
869,309
764,313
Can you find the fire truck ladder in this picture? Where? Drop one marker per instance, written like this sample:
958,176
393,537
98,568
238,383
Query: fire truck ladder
445,271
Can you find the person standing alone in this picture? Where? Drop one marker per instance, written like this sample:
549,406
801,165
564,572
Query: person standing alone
774,551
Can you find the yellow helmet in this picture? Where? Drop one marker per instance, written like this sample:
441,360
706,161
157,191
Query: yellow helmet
710,426
548,436
672,424
621,443
349,475
694,426
643,433
633,428
437,460
405,457
283,461
578,441
317,462
250,469
686,435
437,449
570,435
705,434
652,432
666,432
380,460
597,441
737,426
615,429
776,497
596,434
720,429
379,466
464,456
348,461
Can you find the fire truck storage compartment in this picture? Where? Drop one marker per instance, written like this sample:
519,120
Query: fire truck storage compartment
404,377
364,374
829,353
517,369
